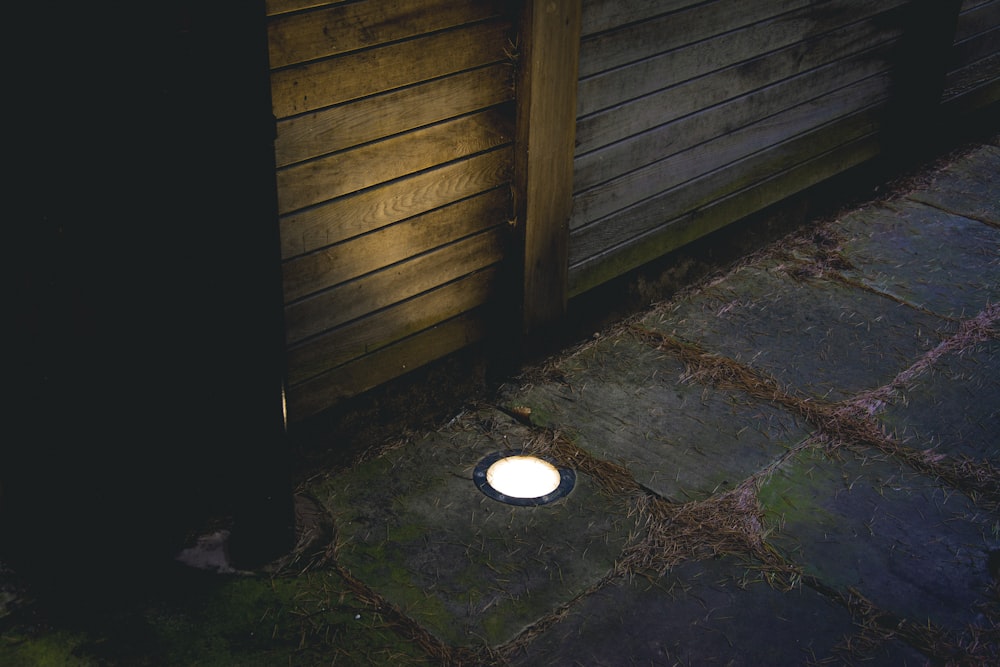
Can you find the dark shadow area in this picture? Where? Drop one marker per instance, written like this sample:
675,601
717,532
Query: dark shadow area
145,295
913,127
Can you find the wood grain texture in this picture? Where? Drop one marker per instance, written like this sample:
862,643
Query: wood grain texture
278,7
323,83
388,326
372,292
781,52
394,154
368,165
383,205
649,75
639,219
600,15
971,83
345,261
964,100
342,28
649,181
544,172
351,379
640,126
717,120
343,126
977,47
975,20
638,41
777,184
972,4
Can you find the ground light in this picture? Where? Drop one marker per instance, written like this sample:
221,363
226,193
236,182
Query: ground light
516,478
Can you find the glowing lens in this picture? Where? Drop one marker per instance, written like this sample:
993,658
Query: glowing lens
523,477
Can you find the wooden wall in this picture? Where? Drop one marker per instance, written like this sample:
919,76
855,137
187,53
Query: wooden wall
394,160
694,114
411,177
972,79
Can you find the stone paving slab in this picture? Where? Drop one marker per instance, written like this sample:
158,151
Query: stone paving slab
818,337
911,545
623,401
711,612
921,255
413,526
968,186
952,407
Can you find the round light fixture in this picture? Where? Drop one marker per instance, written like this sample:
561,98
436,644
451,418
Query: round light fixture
516,478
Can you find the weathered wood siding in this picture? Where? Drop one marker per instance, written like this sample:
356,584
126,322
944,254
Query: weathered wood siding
692,115
412,184
972,81
394,159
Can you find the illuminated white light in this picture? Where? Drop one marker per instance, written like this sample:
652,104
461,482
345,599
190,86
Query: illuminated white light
523,477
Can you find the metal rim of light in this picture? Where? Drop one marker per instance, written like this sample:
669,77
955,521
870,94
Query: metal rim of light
484,480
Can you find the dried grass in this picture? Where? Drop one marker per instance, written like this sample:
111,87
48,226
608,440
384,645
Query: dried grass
725,524
611,478
731,523
876,626
315,539
852,422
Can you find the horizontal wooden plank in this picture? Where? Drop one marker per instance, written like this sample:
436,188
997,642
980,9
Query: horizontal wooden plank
345,261
971,76
646,182
305,88
659,143
331,31
612,88
383,205
357,298
388,326
362,121
648,111
657,242
667,32
354,378
965,96
980,46
278,7
977,20
358,168
620,228
968,5
600,15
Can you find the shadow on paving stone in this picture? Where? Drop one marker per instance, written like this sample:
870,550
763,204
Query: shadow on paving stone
210,620
413,527
967,187
951,408
711,612
623,401
817,337
912,547
945,263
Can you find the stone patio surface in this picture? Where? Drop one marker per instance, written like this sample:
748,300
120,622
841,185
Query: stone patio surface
796,462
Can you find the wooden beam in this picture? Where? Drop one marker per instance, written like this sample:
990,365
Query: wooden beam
546,120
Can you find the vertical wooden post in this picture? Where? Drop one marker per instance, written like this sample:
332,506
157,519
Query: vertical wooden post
546,122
